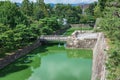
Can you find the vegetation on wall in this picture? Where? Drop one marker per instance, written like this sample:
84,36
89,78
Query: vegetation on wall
110,24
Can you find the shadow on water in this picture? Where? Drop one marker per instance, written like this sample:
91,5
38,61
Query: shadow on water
14,67
25,62
2,55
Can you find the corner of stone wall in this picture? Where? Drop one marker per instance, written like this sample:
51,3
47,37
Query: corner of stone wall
99,59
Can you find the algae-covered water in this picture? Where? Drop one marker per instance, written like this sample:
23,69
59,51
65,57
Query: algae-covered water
51,62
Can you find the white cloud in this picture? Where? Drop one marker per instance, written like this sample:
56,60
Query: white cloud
59,1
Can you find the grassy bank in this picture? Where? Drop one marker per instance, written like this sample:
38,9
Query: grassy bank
72,29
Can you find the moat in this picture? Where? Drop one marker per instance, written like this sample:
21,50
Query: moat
51,62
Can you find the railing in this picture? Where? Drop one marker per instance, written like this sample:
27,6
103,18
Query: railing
53,38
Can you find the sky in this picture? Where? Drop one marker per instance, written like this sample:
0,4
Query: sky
59,1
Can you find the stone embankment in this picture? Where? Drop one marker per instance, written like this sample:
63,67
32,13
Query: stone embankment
97,43
21,52
99,59
78,39
80,25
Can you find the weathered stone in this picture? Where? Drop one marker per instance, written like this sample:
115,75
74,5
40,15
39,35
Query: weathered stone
99,58
75,42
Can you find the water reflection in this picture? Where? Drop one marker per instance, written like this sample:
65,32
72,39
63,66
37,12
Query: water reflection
57,65
51,63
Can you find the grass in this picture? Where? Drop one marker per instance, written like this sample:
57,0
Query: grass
72,29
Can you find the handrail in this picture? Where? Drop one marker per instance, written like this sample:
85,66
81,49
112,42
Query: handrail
54,37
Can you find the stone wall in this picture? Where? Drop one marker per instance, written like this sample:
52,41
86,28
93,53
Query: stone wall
98,44
21,52
75,42
99,58
96,24
79,25
81,44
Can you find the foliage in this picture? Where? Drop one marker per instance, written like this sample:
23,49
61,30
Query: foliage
27,7
110,24
20,25
11,15
99,8
49,25
90,9
71,13
97,11
3,28
38,13
102,4
87,19
23,35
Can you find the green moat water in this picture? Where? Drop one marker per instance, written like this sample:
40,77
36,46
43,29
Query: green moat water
51,63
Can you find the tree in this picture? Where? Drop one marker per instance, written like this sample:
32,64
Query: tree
49,25
37,12
97,11
3,28
11,15
42,6
26,7
101,4
71,13
90,9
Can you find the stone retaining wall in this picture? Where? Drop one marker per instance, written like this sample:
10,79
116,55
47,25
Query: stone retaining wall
99,58
79,25
21,52
98,44
82,43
